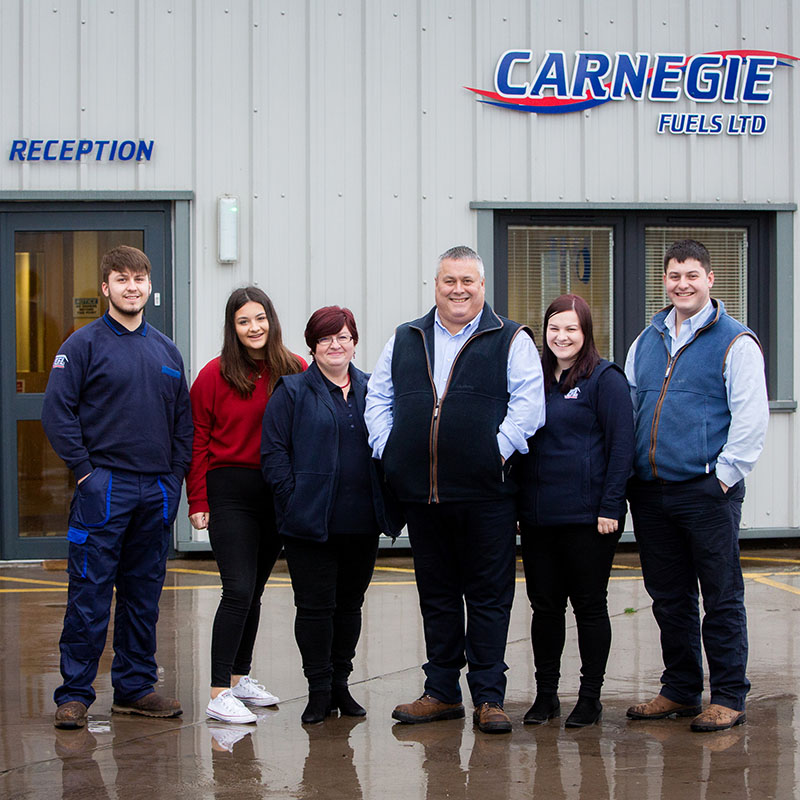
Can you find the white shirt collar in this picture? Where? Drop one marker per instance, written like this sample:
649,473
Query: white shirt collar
691,325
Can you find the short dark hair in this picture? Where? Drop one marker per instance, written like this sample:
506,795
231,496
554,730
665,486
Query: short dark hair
684,250
124,258
328,321
588,357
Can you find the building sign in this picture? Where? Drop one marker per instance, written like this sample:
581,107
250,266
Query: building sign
81,150
560,84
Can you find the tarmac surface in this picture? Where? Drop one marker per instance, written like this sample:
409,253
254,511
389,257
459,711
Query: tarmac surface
120,756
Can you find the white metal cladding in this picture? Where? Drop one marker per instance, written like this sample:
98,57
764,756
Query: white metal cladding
345,131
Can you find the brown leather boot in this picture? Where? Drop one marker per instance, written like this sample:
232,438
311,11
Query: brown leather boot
427,709
661,707
151,705
490,718
70,716
717,718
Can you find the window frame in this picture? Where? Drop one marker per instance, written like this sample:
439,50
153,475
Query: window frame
769,271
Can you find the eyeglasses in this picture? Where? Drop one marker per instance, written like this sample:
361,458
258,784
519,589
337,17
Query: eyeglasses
342,339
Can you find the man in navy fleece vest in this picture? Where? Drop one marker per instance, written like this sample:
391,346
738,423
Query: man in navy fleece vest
700,400
116,410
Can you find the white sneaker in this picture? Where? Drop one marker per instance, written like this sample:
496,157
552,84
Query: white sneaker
226,708
228,735
248,691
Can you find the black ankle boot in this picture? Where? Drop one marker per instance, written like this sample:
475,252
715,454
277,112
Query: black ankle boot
319,707
343,700
587,711
545,707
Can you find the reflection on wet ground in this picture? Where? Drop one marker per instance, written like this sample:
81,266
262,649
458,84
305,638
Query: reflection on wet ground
192,757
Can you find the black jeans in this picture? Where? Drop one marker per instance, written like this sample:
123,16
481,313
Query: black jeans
464,555
569,562
329,580
246,544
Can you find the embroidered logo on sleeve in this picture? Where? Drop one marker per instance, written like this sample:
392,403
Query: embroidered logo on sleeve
573,394
60,361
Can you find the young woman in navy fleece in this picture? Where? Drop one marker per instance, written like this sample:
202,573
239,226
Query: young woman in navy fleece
572,506
227,494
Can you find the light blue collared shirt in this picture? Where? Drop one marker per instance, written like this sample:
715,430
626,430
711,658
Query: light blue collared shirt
745,387
526,404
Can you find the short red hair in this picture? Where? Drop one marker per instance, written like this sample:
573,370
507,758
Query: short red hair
328,321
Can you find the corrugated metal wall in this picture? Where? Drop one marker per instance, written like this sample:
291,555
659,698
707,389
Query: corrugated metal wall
344,128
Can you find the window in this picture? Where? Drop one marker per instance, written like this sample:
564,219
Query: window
547,261
728,250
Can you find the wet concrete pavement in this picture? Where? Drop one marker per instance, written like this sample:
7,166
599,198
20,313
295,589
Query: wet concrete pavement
120,756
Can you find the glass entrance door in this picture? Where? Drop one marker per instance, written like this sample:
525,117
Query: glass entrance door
51,269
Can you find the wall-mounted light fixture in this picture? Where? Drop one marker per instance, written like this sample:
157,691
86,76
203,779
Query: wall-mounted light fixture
228,229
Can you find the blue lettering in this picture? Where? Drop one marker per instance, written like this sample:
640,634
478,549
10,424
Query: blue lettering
126,150
502,74
628,78
716,123
663,122
733,127
145,150
666,70
100,144
754,77
692,123
113,150
759,124
66,150
702,84
84,147
34,148
591,67
732,70
552,74
48,144
17,149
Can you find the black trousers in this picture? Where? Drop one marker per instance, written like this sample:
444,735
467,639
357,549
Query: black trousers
569,562
464,554
329,580
245,542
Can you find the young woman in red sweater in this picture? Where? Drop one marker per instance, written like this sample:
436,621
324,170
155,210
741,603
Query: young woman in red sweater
227,494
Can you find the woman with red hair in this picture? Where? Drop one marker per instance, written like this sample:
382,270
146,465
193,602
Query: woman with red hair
572,506
329,505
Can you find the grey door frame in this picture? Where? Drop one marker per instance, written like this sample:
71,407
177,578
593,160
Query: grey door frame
155,220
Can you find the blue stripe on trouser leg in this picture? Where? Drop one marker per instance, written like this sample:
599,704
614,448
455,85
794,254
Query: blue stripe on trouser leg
128,551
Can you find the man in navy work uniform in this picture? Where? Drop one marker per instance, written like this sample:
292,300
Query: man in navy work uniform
116,410
454,395
700,399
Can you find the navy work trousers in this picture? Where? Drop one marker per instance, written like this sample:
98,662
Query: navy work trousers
464,553
118,535
688,532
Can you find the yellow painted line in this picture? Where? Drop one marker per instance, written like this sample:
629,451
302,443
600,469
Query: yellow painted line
193,571
777,560
394,569
778,585
20,591
624,566
33,580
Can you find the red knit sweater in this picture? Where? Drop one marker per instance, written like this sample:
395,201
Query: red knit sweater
227,428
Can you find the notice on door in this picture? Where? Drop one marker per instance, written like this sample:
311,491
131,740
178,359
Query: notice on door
84,307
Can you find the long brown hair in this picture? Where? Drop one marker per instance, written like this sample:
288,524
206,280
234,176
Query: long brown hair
588,357
235,364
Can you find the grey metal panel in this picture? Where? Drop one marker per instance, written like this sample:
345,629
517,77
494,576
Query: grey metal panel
355,151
